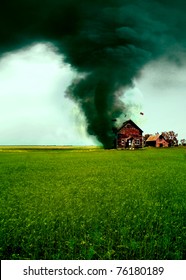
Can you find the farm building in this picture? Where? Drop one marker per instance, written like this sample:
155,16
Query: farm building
129,135
156,141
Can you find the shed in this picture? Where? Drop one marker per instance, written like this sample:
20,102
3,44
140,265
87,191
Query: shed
156,141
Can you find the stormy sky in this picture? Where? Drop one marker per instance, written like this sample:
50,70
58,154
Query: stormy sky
109,58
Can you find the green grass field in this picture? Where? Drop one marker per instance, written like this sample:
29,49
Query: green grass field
92,203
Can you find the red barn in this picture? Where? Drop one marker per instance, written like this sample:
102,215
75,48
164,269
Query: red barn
129,135
156,141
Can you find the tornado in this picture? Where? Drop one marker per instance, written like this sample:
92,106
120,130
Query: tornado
107,42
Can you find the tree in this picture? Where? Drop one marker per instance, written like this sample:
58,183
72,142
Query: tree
183,142
146,136
170,137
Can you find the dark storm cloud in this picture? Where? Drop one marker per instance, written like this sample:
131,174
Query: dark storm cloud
110,41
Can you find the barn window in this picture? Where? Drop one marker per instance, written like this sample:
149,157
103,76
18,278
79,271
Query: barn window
128,125
122,142
137,141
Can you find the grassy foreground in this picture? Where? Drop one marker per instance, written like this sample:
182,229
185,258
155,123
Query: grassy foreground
92,204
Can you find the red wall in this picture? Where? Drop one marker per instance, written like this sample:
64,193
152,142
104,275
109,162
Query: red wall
126,131
160,142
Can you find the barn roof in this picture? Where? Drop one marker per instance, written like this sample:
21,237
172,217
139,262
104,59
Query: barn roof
132,123
153,137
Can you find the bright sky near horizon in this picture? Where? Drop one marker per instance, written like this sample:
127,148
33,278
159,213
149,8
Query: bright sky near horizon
35,111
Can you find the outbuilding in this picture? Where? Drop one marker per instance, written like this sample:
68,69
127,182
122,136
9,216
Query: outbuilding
156,141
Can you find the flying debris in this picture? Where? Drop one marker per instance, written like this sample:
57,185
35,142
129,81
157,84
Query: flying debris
107,42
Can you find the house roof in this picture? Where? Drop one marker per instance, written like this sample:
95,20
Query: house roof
130,122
